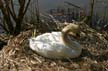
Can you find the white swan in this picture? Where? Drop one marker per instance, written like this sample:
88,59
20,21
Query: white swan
57,44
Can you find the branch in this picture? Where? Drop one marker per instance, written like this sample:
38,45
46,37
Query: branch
6,14
73,5
13,11
3,27
27,6
21,9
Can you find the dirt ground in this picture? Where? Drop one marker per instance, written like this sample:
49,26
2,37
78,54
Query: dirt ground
17,56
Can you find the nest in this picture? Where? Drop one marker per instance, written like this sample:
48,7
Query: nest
17,56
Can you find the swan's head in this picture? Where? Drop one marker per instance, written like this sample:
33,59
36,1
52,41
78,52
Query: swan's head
72,29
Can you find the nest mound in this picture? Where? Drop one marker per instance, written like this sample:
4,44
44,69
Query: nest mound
17,56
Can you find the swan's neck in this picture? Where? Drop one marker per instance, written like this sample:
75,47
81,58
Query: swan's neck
70,43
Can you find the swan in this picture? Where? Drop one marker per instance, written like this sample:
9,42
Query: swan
57,45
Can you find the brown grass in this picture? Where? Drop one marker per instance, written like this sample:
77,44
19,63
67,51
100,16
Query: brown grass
17,56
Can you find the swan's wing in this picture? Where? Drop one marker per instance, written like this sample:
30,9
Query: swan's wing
48,37
48,48
56,36
49,45
45,40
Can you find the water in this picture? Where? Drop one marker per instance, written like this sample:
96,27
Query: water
48,4
45,5
99,6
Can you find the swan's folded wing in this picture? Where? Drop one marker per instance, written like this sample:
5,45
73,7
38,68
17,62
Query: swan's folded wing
56,36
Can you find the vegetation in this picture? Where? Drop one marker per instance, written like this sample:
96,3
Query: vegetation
15,54
11,17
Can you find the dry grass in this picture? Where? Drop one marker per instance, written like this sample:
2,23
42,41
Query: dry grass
17,56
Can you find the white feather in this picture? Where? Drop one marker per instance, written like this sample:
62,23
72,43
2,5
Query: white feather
50,45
